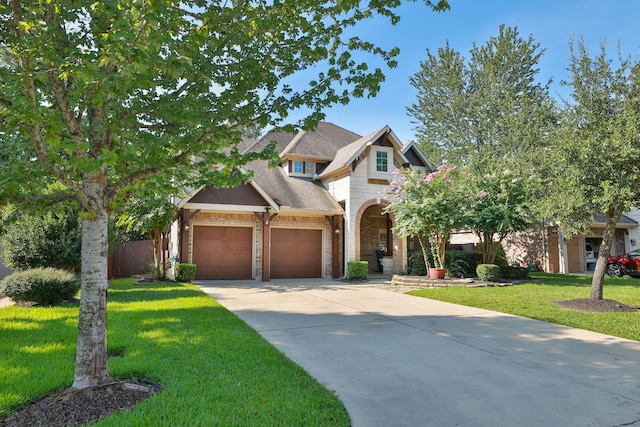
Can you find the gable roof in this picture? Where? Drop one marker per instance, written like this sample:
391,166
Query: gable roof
348,154
415,156
322,142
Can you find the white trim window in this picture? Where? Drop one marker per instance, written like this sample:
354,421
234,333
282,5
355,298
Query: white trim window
301,168
381,162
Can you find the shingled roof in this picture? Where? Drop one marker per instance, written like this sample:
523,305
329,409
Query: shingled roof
623,222
296,193
299,193
322,142
346,154
337,145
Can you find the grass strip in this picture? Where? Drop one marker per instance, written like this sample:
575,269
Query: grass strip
214,369
535,299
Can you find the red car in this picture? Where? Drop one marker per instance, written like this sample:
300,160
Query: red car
620,265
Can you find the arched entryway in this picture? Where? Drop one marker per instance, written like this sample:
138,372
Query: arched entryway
374,235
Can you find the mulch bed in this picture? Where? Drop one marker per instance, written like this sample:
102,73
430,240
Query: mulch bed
596,306
75,407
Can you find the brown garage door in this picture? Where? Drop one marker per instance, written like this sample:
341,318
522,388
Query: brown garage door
296,253
222,253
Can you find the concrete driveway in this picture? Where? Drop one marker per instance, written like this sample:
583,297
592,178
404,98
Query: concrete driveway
397,360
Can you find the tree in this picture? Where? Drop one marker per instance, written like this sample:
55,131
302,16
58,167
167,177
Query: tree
487,114
593,165
429,206
98,96
151,215
502,207
33,239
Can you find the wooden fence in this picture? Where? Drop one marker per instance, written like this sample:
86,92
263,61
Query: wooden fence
132,258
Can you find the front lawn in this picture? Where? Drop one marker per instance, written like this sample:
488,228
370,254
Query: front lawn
535,299
214,369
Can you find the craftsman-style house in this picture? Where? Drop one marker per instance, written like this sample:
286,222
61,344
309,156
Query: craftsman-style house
321,208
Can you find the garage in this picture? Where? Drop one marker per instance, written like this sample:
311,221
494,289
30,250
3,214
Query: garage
223,253
296,253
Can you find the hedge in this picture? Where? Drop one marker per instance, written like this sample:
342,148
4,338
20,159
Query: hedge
488,272
185,272
358,269
511,272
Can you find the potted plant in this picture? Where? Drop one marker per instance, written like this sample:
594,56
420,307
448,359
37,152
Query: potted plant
437,271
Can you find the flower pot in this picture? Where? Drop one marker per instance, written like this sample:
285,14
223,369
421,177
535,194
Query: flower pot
436,273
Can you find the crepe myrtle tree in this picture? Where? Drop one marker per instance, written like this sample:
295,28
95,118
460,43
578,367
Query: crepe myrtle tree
501,208
100,95
429,207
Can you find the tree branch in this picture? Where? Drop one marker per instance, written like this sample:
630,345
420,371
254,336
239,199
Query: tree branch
59,89
30,89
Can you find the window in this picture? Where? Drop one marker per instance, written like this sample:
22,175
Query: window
299,167
382,161
308,168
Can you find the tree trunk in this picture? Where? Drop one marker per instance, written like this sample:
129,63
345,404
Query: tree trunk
441,245
597,283
486,242
164,256
91,355
424,252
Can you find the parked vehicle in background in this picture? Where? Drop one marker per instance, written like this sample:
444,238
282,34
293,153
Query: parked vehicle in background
620,265
590,254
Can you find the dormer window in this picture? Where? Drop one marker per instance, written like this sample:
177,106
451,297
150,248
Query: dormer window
380,162
301,168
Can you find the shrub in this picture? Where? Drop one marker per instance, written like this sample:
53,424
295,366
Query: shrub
457,263
464,262
501,258
489,272
415,264
457,268
45,286
510,272
358,269
38,240
185,272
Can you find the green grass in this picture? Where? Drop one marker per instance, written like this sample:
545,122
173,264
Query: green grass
214,369
534,299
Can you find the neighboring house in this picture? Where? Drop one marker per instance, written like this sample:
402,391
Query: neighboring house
554,252
321,208
574,255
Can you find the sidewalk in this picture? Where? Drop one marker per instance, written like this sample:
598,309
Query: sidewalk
398,360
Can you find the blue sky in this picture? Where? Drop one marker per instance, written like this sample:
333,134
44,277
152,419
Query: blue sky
550,22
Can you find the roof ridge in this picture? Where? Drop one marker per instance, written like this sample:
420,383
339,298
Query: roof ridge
292,144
